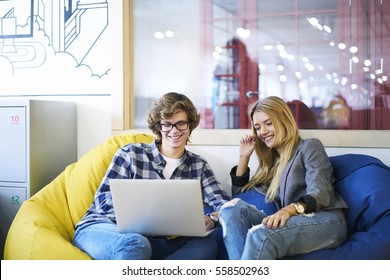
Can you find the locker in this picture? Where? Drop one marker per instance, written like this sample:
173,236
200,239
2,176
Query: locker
13,144
37,141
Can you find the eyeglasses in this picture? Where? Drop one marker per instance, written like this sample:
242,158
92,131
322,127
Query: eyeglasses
166,127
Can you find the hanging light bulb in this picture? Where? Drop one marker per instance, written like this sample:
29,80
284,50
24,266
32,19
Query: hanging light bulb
243,32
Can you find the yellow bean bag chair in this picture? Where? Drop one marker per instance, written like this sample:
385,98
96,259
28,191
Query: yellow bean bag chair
44,226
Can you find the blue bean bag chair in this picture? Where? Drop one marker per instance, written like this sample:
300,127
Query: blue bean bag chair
364,182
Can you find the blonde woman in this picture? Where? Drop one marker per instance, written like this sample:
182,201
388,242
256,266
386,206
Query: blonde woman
297,175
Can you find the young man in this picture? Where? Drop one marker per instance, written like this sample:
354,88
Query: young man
172,119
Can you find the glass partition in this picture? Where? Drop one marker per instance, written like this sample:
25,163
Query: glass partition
328,59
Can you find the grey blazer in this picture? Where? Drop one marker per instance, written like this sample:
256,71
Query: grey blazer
308,177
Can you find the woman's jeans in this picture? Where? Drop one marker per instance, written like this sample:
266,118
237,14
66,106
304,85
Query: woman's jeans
102,241
246,238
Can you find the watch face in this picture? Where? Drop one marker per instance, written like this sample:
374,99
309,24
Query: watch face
300,209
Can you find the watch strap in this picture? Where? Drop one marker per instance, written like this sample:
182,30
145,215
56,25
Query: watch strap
214,219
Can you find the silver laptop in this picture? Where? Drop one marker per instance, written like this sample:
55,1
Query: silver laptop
158,207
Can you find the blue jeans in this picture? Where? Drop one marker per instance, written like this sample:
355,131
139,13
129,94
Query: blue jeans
102,241
247,239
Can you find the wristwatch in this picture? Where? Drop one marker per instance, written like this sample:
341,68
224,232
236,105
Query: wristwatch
299,208
214,219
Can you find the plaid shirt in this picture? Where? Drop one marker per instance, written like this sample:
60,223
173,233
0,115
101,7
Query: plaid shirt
137,161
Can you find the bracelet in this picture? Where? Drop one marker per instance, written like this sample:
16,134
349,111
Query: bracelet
214,219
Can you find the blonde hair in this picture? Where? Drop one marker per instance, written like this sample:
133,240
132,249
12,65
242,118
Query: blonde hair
271,163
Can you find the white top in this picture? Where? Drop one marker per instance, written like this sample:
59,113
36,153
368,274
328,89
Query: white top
172,163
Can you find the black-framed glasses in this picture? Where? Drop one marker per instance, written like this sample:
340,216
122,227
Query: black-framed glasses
166,127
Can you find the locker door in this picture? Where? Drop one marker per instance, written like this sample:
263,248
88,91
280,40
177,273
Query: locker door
13,144
10,201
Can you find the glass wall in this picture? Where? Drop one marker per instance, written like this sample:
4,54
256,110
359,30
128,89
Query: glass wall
329,59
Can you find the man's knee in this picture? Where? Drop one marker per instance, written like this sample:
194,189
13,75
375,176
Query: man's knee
134,247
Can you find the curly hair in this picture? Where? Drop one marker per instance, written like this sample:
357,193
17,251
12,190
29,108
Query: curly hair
168,105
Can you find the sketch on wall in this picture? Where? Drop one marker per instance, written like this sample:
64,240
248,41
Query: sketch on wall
53,47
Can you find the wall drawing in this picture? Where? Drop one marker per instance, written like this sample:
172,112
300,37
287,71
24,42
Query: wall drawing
54,47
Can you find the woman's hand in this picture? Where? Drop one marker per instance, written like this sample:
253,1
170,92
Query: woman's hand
279,218
247,145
